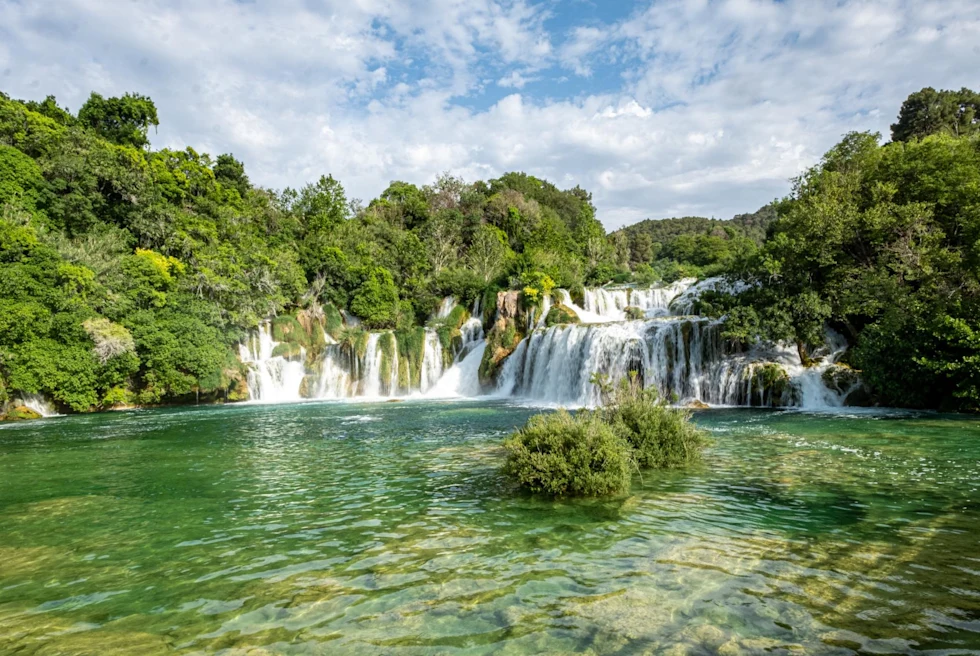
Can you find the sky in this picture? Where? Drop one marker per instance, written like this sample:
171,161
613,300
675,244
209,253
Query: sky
663,108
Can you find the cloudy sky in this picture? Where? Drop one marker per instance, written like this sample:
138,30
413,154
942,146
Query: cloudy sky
664,108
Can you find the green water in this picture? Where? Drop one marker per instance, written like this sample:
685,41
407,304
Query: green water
386,529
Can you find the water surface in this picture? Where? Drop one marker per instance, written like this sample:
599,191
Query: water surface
386,529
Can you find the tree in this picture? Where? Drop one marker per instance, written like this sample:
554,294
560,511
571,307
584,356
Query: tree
929,111
376,299
488,253
230,172
124,121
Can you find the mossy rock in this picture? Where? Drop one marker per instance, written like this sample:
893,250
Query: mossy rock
841,378
288,329
634,313
307,388
769,383
239,392
411,350
501,342
22,413
287,350
560,314
846,382
333,320
577,293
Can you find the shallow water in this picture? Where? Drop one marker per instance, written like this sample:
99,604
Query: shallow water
386,529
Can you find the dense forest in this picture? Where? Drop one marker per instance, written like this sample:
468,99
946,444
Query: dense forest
129,275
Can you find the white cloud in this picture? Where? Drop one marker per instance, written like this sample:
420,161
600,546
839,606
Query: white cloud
684,107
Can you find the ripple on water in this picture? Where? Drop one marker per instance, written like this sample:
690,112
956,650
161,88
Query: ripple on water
243,530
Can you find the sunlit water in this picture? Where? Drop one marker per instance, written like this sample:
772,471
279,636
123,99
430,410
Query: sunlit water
387,529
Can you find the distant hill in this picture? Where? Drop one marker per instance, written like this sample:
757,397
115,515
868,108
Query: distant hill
663,231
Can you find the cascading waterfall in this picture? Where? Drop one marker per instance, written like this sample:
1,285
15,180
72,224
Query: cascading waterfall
683,357
609,304
37,403
432,361
271,378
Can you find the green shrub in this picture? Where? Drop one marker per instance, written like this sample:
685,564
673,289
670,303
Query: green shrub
661,436
565,456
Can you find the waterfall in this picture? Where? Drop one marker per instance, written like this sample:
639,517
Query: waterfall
432,361
604,304
271,378
35,402
445,308
545,308
683,357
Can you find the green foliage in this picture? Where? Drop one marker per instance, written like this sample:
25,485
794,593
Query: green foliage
662,437
376,299
411,349
929,112
564,456
288,329
124,121
595,452
333,321
879,242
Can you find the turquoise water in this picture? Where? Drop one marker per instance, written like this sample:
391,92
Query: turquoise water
386,529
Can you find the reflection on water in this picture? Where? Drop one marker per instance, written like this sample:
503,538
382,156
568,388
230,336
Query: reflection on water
386,529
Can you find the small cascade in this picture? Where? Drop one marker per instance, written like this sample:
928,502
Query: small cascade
445,308
272,378
545,309
37,403
432,361
461,379
609,304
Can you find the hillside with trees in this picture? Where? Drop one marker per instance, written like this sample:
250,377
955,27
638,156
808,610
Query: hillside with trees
130,275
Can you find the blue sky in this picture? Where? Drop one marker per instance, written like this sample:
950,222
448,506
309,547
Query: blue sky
665,108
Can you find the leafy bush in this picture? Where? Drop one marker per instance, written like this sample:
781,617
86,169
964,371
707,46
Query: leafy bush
594,452
661,436
565,456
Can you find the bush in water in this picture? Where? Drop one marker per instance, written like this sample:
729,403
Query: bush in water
561,455
595,452
661,436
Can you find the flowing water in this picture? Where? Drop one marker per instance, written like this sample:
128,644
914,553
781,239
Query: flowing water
328,528
682,356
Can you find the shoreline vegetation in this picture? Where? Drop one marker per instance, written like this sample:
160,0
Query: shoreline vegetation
130,276
596,452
